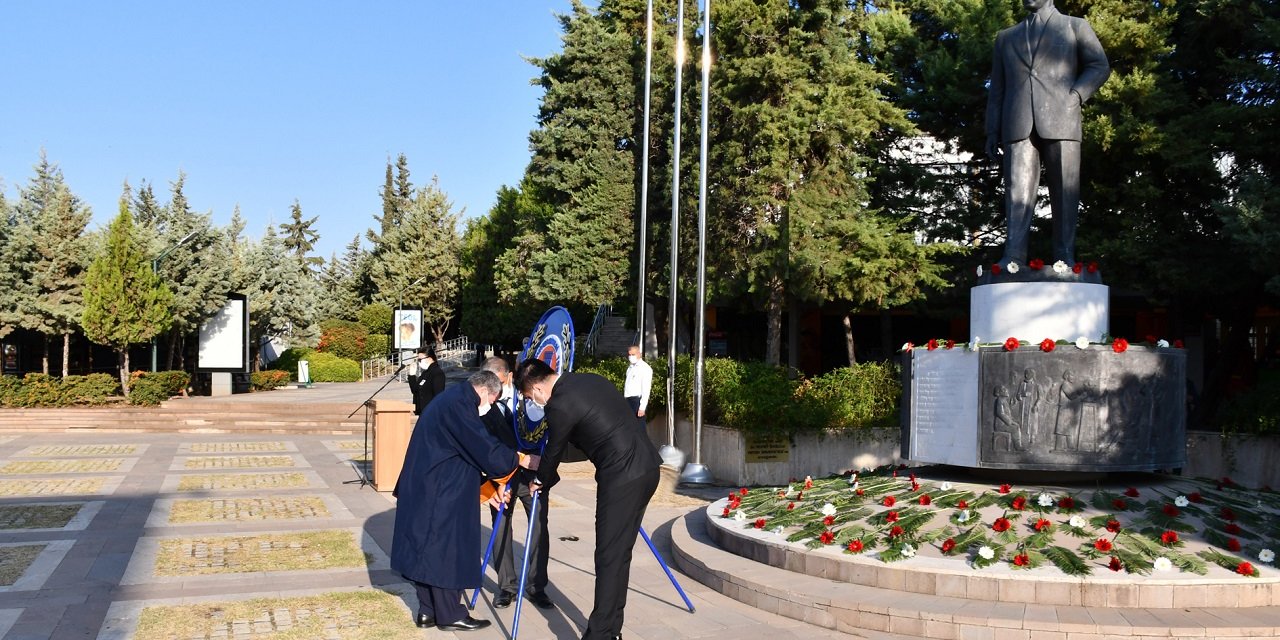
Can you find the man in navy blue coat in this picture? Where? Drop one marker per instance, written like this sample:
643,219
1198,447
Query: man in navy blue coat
436,542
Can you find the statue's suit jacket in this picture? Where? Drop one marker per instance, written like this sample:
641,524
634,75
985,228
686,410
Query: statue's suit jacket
1031,82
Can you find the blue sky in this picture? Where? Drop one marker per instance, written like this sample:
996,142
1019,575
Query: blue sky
264,102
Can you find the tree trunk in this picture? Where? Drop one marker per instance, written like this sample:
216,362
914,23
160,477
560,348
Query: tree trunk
44,358
123,357
173,341
66,354
182,353
848,340
773,309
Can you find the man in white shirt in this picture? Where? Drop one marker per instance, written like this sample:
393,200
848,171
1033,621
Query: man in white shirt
639,380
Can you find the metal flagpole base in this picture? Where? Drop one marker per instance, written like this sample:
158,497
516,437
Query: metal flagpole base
671,456
695,473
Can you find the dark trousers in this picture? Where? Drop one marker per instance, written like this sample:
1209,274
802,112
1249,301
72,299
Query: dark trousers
504,557
634,401
620,509
1022,179
445,605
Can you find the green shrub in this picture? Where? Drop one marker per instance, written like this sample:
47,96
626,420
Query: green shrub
268,379
288,361
149,389
377,319
344,339
377,346
1255,411
859,397
9,387
39,390
326,367
95,388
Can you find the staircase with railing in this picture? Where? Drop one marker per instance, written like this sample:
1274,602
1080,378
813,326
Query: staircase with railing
454,353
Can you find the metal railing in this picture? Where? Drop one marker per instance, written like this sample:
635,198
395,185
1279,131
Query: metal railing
593,336
455,352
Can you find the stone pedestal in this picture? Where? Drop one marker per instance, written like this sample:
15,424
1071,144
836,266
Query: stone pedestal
1033,311
220,384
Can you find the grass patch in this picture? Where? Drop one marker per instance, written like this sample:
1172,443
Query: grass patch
60,486
355,615
228,481
38,516
41,467
15,560
238,462
304,551
239,509
81,450
236,447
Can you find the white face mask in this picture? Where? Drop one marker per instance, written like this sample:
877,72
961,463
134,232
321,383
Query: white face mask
633,359
484,408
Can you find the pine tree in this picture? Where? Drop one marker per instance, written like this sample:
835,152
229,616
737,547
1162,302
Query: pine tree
9,277
125,303
282,297
299,237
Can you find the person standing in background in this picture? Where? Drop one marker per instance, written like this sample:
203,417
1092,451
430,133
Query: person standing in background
428,382
638,383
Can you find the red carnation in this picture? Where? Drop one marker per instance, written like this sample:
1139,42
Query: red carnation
932,344
1047,345
995,269
1168,537
1042,524
963,504
759,523
1195,497
1093,267
743,491
827,537
951,344
895,531
726,513
790,506
1019,503
808,483
1245,569
829,520
891,516
1102,544
888,501
1001,524
1067,503
800,496
1036,264
1233,544
782,494
1232,528
1021,560
1227,514
1011,344
1119,503
915,486
1131,492
1171,511
1177,344
1077,267
1119,345
948,545
1004,488
1115,564
855,546
859,491
1113,526
926,500
1151,339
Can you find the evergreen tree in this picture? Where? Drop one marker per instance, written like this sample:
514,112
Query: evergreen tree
282,297
125,303
491,308
148,213
299,237
424,249
9,277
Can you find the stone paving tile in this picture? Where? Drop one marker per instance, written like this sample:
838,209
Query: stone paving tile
7,618
255,446
81,465
36,487
203,463
241,481
346,445
61,451
241,509
39,567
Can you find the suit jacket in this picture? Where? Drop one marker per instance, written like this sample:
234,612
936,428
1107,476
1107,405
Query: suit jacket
499,426
589,412
1031,82
426,385
436,539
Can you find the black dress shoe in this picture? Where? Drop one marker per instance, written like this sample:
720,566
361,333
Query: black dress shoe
423,620
466,624
503,599
540,600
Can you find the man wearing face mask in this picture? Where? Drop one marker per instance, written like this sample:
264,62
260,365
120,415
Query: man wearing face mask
435,542
639,380
589,412
499,422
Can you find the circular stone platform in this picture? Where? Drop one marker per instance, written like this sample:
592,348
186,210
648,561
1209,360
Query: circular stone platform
933,594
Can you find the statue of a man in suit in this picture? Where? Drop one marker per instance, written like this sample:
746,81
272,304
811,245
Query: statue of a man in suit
1043,69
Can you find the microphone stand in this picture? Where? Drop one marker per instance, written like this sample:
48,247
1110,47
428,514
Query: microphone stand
363,477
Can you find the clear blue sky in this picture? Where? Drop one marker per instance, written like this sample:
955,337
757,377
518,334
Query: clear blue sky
267,101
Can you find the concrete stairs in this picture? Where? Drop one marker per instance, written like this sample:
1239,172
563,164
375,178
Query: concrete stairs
189,415
614,337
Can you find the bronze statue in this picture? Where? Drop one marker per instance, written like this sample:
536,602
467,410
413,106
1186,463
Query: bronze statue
1043,70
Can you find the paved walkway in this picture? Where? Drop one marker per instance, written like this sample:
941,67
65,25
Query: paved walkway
240,536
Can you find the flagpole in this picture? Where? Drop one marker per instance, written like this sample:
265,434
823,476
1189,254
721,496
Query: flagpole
641,267
670,454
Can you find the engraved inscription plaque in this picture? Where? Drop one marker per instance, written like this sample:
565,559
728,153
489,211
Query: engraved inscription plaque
943,411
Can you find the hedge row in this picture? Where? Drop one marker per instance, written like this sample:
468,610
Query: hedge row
760,398
268,379
325,367
40,390
150,389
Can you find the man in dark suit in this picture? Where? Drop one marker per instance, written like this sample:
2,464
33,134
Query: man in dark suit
436,540
428,382
499,422
1043,70
588,411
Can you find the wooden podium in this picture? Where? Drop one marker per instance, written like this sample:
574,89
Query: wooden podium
393,422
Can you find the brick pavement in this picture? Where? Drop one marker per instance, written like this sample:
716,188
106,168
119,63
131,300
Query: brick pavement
92,571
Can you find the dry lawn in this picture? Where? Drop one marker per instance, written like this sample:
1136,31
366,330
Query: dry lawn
354,615
303,551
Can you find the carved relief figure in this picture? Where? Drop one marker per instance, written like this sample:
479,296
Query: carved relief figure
1071,397
1005,428
1028,399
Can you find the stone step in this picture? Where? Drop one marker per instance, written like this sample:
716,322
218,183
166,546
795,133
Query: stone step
893,608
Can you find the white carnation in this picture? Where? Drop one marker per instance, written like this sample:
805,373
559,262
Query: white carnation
828,509
946,486
963,516
1163,564
979,271
739,516
1082,343
987,553
777,530
973,344
1181,501
1046,500
1013,267
908,551
1162,343
1077,522
1060,267
1267,555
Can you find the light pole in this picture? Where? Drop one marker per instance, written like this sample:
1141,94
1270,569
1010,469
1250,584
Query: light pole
155,269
